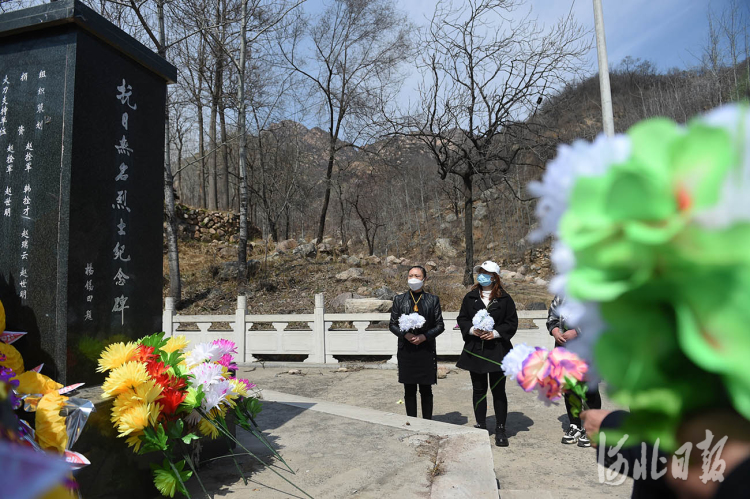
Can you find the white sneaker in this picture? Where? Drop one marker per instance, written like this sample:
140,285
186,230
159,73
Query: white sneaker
572,435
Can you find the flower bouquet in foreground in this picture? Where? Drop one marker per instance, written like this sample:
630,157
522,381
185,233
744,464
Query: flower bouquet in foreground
410,322
37,457
651,234
165,395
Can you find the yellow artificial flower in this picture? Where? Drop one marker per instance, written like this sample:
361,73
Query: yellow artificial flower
134,440
165,482
148,392
2,317
50,426
33,382
209,428
115,355
11,358
59,492
239,388
129,375
137,417
175,343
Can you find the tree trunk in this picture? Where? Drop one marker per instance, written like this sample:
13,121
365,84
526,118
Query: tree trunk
327,197
225,161
241,165
468,228
213,157
202,152
175,288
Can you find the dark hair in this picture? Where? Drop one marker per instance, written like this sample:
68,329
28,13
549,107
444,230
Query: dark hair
424,272
497,286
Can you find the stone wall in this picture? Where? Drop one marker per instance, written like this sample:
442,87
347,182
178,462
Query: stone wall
206,226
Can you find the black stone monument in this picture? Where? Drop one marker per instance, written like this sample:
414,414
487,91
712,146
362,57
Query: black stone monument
81,179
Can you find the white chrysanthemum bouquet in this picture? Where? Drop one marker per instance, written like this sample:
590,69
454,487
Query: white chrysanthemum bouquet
483,321
409,322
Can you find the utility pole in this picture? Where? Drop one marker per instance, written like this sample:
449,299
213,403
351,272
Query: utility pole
608,121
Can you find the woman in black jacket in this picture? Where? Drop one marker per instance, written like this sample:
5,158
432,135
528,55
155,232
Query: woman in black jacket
417,355
493,345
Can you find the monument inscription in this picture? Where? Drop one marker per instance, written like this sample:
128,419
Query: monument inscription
82,137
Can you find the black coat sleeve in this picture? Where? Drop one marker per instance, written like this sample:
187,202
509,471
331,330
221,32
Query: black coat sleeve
553,315
437,319
508,327
464,318
395,314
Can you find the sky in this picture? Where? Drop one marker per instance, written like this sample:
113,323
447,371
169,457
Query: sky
669,33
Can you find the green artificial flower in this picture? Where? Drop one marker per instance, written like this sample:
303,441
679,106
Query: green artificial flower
660,240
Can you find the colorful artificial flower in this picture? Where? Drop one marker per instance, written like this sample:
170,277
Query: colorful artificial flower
8,387
225,347
49,424
652,230
11,358
115,355
513,362
535,369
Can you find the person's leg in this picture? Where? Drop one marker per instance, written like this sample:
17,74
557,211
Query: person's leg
479,385
574,429
500,403
499,398
425,393
410,399
594,401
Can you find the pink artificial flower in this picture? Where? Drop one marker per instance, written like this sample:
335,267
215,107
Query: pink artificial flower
565,364
247,384
225,346
535,369
227,360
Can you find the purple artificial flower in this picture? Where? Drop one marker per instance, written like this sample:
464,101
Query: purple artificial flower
5,377
247,384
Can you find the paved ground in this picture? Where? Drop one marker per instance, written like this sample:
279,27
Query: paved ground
536,465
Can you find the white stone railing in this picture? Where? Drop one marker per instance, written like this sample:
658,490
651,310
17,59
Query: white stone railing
282,334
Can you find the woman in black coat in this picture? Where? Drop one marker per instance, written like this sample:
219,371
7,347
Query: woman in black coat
417,355
494,345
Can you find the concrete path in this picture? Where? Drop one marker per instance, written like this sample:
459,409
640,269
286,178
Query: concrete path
536,465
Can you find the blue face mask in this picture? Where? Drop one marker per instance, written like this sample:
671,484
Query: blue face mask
484,280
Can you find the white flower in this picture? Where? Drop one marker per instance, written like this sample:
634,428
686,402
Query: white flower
483,320
734,202
411,321
193,418
206,373
202,352
215,394
513,361
580,159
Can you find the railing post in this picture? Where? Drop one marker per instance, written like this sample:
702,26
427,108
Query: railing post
240,329
167,317
318,355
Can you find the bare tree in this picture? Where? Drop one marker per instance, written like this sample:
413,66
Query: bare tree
357,46
484,75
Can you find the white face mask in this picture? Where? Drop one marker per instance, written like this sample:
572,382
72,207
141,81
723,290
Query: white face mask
415,284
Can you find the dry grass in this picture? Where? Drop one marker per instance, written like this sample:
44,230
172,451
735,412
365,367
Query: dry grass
287,285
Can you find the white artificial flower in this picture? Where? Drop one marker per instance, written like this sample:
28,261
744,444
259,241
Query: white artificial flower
206,373
580,159
215,394
407,322
586,316
202,352
513,361
483,320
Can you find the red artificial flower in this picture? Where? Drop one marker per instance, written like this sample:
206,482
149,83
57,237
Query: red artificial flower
144,353
156,369
171,400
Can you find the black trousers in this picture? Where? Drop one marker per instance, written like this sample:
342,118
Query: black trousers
593,400
410,400
480,382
